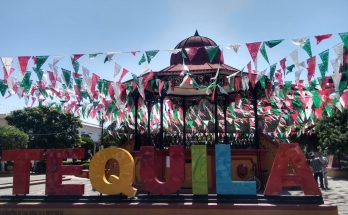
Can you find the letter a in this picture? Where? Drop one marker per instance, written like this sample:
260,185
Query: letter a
280,177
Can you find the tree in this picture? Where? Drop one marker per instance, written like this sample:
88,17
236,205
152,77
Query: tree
333,134
12,138
88,144
47,127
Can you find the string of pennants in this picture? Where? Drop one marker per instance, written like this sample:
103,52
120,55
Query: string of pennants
90,95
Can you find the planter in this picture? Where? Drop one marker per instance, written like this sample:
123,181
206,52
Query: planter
337,173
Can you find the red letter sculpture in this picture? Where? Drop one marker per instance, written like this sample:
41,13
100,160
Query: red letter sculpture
55,170
176,174
302,176
21,170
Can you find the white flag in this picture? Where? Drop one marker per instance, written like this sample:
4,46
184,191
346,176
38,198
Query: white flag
7,62
117,69
235,47
299,41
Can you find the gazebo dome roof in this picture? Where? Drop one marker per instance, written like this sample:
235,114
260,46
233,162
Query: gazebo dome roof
201,56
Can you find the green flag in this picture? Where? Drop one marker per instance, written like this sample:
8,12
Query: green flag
26,82
307,47
328,109
290,68
142,60
212,51
263,52
272,43
40,60
76,65
78,82
38,72
92,56
3,87
344,37
323,67
67,77
263,82
151,54
272,71
316,99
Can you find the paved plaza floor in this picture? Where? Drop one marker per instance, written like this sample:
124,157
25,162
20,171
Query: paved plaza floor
337,192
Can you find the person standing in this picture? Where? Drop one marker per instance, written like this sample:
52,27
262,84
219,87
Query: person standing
317,167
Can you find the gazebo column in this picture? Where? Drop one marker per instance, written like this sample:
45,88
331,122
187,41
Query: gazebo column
148,105
137,144
225,118
216,120
161,123
184,120
256,134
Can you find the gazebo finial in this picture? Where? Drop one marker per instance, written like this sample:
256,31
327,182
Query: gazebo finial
196,33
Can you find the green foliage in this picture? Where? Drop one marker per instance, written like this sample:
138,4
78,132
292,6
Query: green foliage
333,134
47,127
88,144
12,138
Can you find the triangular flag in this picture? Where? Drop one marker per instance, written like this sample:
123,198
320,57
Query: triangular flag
3,87
235,47
26,82
272,71
344,37
39,73
23,63
67,77
142,59
7,62
300,41
272,43
294,57
290,68
263,52
151,54
298,75
93,56
311,63
212,51
124,72
56,59
39,61
109,57
307,47
320,38
253,49
134,53
323,67
191,52
117,69
282,63
75,63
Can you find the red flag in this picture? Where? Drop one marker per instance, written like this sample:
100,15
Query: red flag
52,78
346,58
134,53
253,49
283,64
7,74
76,56
191,52
279,76
320,38
148,78
124,72
311,63
344,98
23,63
161,86
95,79
111,90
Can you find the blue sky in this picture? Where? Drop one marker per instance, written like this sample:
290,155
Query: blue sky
65,27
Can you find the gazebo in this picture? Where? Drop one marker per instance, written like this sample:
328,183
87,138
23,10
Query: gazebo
198,61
